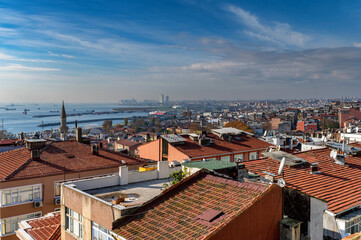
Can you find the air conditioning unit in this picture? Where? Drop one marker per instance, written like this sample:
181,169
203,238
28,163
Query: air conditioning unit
57,201
38,204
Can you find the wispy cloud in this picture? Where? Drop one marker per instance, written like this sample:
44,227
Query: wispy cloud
19,67
4,56
280,33
60,55
356,44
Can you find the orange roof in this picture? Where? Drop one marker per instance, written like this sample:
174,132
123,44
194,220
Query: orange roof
45,228
57,157
338,185
219,146
192,209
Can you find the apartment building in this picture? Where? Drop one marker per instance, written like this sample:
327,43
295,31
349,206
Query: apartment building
194,208
226,144
30,177
330,176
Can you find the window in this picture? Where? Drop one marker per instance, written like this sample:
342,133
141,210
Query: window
20,195
100,233
57,188
353,226
74,222
226,158
238,157
253,155
10,225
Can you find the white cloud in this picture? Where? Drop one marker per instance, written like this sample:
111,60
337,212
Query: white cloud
280,33
355,44
19,67
4,56
60,55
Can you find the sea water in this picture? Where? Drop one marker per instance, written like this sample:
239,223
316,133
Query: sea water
16,121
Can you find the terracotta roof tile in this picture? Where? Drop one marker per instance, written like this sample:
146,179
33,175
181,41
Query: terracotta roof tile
45,228
219,146
193,209
338,185
58,157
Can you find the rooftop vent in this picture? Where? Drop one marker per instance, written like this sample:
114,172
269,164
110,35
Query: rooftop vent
314,168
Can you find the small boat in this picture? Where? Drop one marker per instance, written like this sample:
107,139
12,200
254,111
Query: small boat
25,112
54,111
26,109
10,109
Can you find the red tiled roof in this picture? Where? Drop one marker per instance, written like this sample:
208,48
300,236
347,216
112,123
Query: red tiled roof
128,143
7,142
338,185
219,146
45,228
57,157
192,209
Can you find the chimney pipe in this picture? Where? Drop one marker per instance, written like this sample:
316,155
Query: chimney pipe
94,149
78,134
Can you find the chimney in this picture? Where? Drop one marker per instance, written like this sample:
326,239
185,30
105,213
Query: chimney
100,145
94,149
314,168
33,144
35,154
242,171
78,134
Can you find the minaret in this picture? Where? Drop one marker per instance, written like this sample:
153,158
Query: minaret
63,129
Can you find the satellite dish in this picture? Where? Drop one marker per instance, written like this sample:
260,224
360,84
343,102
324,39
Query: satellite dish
281,165
281,182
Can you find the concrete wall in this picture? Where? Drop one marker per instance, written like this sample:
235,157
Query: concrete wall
142,176
330,227
125,177
318,208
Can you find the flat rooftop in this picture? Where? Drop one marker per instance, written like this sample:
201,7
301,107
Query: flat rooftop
134,193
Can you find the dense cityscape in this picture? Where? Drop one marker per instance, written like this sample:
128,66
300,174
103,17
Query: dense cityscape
180,120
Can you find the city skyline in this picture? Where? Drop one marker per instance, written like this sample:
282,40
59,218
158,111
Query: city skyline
102,52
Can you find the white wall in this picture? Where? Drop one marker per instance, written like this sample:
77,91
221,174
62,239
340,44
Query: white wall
97,182
142,176
125,177
316,225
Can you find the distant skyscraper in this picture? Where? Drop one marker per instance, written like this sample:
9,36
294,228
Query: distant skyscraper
161,100
167,99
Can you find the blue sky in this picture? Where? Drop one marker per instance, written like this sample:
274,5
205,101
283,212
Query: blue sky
103,51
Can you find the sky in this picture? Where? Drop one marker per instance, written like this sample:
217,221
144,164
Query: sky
104,51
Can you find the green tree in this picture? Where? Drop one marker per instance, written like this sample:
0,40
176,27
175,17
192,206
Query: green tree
107,124
125,121
177,176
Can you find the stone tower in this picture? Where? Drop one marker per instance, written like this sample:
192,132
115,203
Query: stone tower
63,129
